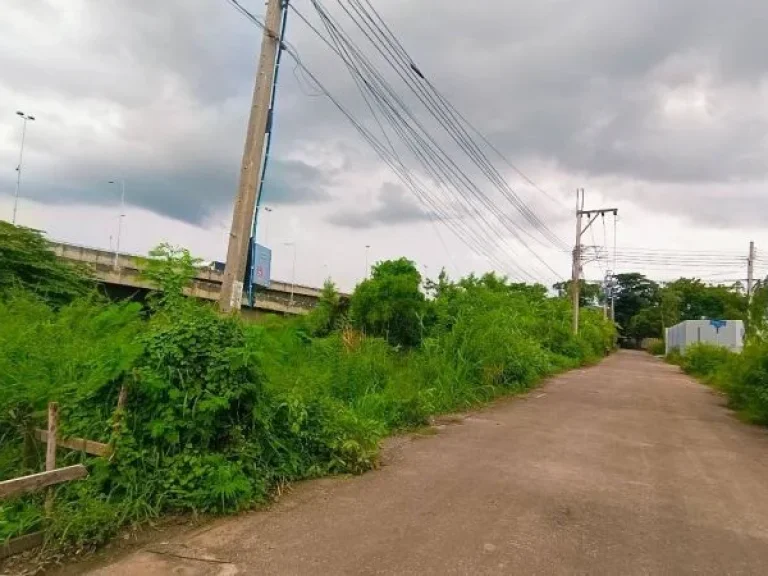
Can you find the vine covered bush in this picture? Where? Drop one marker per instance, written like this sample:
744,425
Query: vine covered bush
220,412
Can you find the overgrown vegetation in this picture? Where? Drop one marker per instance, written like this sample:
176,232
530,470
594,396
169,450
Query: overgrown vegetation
220,412
644,308
27,264
742,376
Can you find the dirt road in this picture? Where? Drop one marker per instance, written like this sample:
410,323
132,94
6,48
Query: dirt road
626,468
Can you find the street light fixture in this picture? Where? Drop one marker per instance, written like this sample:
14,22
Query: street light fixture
25,118
266,222
367,270
119,220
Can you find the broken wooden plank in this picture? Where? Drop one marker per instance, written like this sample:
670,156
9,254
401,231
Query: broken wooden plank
87,446
35,482
20,544
122,397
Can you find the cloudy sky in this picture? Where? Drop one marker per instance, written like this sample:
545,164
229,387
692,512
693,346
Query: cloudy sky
659,108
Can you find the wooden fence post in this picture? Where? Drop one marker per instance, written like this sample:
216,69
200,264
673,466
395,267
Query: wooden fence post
50,450
122,398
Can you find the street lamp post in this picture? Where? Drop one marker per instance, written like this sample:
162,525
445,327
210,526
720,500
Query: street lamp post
119,220
25,118
293,269
367,271
266,209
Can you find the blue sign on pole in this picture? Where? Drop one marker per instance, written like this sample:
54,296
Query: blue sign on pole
717,324
262,265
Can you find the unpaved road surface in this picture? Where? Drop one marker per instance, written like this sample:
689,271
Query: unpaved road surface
625,468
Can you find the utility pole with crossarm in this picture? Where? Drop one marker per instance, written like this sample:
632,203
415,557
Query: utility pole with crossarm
591,216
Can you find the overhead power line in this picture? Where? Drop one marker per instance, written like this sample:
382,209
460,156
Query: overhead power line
481,234
411,181
437,104
403,123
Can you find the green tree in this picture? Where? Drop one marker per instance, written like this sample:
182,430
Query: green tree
390,303
171,269
27,262
634,292
699,300
644,309
440,288
645,324
328,313
590,293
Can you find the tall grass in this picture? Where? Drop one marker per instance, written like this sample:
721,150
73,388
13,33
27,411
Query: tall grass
219,412
743,377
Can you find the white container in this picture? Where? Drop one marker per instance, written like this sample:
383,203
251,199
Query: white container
726,333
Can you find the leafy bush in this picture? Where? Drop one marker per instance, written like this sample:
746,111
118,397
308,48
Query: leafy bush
220,412
327,314
19,518
743,377
674,357
657,347
390,304
65,354
27,264
704,360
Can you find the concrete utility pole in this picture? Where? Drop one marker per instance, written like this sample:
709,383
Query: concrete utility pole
580,229
245,201
576,267
750,270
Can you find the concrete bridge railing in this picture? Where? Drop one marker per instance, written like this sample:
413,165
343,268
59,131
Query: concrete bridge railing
206,284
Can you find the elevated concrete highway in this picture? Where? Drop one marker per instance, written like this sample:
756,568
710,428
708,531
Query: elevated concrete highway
206,285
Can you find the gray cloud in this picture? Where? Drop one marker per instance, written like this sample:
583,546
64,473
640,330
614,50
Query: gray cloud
394,207
708,206
191,196
294,182
658,97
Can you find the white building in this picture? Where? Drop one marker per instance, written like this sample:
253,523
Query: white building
726,333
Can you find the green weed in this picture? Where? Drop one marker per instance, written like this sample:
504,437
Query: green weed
220,412
743,377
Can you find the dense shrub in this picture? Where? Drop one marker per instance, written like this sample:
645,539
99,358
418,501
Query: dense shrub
657,347
743,377
328,314
64,354
27,264
201,432
704,360
220,412
390,304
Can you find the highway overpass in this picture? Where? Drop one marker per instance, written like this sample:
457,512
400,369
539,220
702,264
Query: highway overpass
125,278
